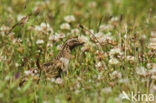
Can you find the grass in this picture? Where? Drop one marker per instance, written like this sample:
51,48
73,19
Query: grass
93,76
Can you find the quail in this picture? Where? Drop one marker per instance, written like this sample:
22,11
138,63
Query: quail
58,65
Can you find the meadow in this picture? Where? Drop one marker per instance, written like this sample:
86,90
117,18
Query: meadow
119,54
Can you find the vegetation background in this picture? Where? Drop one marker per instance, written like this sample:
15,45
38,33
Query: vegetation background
126,62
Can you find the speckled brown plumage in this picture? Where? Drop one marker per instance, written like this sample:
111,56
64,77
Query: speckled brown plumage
59,64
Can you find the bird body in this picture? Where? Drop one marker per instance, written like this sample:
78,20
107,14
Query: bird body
59,65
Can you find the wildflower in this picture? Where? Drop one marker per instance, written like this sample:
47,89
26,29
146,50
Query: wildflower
92,4
60,35
20,17
142,71
154,87
85,48
45,101
79,78
98,35
52,37
113,61
39,42
69,18
153,71
153,34
107,90
151,65
58,81
27,72
52,79
65,26
59,47
78,85
75,31
116,74
115,51
153,77
105,27
89,32
152,43
7,77
49,44
114,20
44,25
130,58
125,80
38,28
77,91
83,38
16,64
98,64
4,28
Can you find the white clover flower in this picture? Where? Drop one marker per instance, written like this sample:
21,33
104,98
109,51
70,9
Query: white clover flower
116,74
60,35
130,58
107,90
114,19
58,81
125,80
39,42
52,79
16,64
153,34
154,87
153,39
65,26
59,47
151,65
142,71
49,44
83,39
105,27
7,77
4,28
152,45
46,101
115,51
77,91
153,77
20,17
69,18
27,72
113,61
79,78
38,28
90,31
44,25
92,4
153,71
52,37
78,85
75,31
99,64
